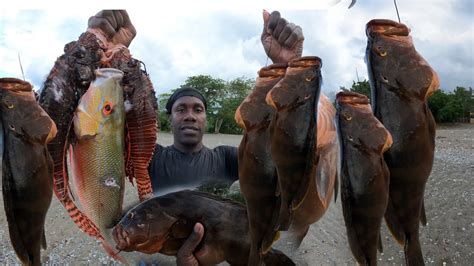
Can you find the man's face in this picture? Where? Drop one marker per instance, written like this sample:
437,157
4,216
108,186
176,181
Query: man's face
188,120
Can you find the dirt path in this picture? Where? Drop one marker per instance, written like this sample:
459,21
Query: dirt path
448,237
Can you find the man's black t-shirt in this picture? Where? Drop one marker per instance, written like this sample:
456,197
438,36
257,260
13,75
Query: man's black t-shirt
172,169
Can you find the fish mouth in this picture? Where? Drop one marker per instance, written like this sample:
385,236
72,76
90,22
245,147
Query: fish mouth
385,27
15,84
121,238
348,97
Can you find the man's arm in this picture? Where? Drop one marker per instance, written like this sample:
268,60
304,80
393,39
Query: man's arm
282,40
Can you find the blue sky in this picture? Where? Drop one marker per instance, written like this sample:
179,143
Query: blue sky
186,38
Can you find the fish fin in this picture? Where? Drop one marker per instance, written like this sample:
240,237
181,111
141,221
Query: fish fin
379,246
284,218
112,252
413,254
13,229
393,224
129,171
142,126
43,241
423,214
272,235
336,185
277,258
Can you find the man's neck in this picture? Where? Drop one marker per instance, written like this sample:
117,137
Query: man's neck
188,149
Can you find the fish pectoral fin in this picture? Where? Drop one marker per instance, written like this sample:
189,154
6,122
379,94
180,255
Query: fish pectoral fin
423,214
379,246
43,241
394,225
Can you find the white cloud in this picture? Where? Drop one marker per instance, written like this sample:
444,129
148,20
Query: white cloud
223,39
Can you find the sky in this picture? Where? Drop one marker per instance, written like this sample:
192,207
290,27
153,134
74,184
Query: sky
222,38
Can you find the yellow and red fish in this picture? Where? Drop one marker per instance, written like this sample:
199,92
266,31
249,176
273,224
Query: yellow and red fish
97,160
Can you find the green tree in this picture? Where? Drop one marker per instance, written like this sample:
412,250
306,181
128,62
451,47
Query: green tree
362,87
436,102
235,92
163,117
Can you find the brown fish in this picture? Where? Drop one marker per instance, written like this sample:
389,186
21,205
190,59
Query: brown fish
293,132
364,174
401,82
323,183
27,167
162,224
257,173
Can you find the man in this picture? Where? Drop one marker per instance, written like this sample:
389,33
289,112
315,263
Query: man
187,163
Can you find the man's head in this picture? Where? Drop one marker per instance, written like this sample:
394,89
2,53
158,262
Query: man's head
187,110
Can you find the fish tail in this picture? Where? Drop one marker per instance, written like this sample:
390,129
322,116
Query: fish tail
413,254
393,224
423,214
268,240
254,257
277,258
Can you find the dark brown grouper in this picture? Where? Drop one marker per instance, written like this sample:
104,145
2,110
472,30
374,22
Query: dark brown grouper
323,182
364,174
27,167
163,223
293,138
257,173
401,82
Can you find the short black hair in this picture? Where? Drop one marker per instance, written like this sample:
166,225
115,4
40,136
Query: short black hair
185,91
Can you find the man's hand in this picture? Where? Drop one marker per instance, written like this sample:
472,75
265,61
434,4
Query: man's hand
115,24
281,39
185,256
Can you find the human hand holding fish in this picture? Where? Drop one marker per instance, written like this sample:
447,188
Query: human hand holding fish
185,256
282,40
115,24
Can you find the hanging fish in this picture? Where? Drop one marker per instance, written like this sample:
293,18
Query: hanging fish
257,173
97,161
323,183
401,82
364,174
27,167
162,224
293,133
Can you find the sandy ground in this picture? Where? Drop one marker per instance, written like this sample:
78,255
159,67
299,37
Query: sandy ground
447,239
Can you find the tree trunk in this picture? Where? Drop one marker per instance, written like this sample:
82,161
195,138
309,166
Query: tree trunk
217,128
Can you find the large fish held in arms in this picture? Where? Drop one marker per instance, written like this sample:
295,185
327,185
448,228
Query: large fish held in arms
364,174
96,153
257,173
27,167
401,82
162,224
293,133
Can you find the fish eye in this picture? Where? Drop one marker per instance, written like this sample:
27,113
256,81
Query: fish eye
9,105
350,138
347,116
380,51
107,108
131,215
12,127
